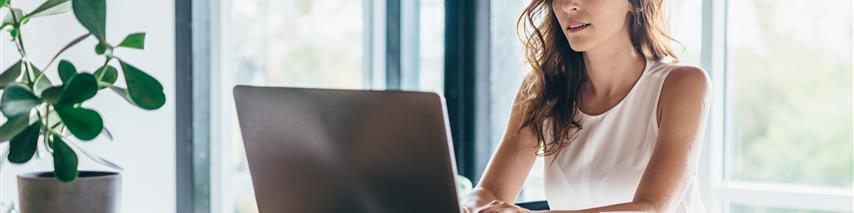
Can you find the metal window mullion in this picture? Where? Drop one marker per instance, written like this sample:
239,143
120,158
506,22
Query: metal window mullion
713,54
393,47
192,77
368,44
402,29
410,40
375,44
482,122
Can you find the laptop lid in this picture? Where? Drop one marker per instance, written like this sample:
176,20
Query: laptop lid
323,150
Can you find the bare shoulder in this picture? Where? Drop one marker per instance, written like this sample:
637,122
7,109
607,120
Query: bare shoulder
685,90
687,77
686,81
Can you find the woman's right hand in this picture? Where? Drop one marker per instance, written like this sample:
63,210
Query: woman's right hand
479,197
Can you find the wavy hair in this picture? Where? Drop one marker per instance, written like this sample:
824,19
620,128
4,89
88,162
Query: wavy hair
551,90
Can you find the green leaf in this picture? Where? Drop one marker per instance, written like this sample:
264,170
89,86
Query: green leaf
81,87
107,75
18,100
13,126
23,146
3,3
12,73
51,7
83,123
135,40
53,94
92,14
101,48
66,70
64,160
145,91
10,20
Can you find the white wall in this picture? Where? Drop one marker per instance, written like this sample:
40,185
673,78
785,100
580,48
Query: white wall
144,140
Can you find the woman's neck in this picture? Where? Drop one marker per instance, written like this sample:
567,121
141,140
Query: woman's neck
612,67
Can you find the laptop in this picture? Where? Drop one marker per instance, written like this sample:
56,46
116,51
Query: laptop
326,150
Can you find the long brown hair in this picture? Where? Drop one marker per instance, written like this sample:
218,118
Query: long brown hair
551,91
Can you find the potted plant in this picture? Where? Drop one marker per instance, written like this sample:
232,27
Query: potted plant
38,110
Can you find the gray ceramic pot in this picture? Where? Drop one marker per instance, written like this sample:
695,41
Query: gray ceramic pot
92,192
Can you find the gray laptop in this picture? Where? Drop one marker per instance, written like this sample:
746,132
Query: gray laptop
321,150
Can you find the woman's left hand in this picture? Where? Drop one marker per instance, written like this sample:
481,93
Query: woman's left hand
501,207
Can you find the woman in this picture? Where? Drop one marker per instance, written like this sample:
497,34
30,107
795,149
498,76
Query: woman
620,125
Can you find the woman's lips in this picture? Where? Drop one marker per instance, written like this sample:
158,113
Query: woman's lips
573,28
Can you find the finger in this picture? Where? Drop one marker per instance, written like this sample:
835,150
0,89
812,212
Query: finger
485,209
494,209
470,209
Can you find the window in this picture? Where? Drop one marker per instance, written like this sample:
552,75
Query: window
308,43
788,105
790,93
278,43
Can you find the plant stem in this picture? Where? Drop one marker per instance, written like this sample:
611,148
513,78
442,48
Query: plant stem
55,125
17,24
20,33
104,67
19,43
69,45
46,126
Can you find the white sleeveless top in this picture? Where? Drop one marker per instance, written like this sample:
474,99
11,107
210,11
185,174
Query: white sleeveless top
603,164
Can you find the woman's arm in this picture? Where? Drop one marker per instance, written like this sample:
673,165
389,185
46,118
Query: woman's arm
509,166
683,109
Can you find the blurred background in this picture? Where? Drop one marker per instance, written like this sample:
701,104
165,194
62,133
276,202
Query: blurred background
779,138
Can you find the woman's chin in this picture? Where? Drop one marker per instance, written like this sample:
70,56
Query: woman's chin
578,47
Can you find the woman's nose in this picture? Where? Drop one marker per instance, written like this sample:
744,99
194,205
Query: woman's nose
568,5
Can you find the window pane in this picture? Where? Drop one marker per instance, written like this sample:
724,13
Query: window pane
432,48
308,43
790,92
299,43
685,27
505,77
760,209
